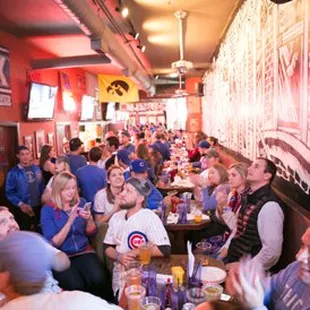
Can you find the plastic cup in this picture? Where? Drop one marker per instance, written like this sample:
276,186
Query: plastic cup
196,295
133,277
151,303
213,291
134,295
145,252
204,246
198,216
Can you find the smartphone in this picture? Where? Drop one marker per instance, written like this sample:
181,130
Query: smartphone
87,206
225,297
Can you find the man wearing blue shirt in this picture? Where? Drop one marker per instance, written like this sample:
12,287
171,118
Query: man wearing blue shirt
91,178
76,160
139,169
24,187
162,147
125,142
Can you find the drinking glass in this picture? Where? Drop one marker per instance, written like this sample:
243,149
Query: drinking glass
134,294
196,295
151,303
149,279
198,216
133,277
213,291
145,252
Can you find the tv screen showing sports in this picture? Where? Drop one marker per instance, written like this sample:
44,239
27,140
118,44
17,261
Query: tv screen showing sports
88,107
41,101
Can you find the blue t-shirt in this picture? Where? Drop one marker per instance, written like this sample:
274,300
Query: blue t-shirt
288,291
91,179
76,162
154,198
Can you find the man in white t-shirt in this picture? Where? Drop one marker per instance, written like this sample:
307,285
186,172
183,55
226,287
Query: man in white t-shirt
130,228
24,262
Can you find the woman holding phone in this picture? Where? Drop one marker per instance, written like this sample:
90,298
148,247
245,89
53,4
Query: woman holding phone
68,225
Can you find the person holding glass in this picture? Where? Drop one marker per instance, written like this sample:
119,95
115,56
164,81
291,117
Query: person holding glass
67,224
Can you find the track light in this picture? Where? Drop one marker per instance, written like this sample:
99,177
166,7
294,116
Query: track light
135,34
142,48
123,10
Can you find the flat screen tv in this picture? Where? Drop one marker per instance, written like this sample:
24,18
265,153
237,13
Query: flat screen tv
41,104
88,108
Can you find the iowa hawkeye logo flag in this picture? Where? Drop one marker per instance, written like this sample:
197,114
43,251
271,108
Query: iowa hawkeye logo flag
117,88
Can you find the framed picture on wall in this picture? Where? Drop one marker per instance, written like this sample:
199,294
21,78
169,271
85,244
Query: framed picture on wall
50,138
28,141
40,141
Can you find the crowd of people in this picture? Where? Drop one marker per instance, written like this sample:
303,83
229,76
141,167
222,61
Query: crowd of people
65,198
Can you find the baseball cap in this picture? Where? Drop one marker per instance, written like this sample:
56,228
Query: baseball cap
142,186
75,143
123,155
26,257
139,166
125,133
204,144
212,153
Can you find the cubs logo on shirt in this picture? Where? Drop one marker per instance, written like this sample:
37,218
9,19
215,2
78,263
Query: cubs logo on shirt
135,239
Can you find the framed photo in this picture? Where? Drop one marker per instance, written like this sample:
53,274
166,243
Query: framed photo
40,141
50,138
28,141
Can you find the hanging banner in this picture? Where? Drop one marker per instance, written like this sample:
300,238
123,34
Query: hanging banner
5,84
117,88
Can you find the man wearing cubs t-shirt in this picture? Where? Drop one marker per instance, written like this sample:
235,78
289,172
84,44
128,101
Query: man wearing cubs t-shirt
130,228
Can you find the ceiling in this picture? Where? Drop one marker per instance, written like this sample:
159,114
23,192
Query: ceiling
44,24
204,27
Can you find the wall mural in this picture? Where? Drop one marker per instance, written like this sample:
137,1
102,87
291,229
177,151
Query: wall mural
257,94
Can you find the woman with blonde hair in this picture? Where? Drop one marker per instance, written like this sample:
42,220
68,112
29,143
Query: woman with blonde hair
106,201
67,224
47,162
228,206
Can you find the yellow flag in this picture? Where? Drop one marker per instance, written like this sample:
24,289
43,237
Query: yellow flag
117,88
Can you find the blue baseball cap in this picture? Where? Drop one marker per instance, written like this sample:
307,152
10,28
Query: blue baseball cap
139,166
204,144
123,155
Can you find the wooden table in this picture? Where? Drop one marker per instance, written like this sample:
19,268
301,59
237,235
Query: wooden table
164,264
178,232
164,189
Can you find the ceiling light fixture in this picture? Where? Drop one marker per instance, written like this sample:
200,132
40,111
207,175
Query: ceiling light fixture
141,47
135,35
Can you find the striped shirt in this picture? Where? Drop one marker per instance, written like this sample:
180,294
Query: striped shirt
128,234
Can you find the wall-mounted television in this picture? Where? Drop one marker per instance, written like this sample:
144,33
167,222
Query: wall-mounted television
88,108
41,103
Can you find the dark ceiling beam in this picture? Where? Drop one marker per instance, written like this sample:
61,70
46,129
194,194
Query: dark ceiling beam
70,62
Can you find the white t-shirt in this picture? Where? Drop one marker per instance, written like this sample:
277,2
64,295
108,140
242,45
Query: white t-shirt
101,203
128,234
74,300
